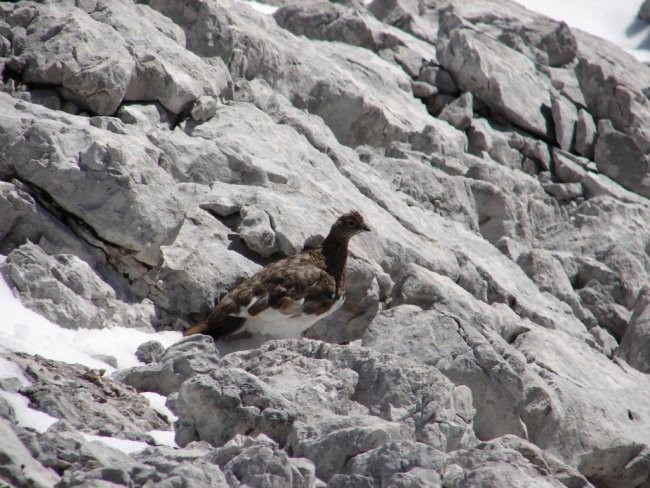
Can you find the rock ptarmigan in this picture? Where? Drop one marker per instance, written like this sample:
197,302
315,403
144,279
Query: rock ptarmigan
286,297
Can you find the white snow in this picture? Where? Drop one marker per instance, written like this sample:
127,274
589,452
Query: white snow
157,402
123,445
12,370
26,416
164,437
613,20
23,330
261,7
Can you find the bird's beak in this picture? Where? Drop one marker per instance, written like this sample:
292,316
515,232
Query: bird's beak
365,228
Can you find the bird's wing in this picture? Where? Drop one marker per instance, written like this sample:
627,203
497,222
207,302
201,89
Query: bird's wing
294,290
288,288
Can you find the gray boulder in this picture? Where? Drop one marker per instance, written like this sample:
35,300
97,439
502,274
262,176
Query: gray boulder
18,464
481,69
93,77
585,134
561,45
260,462
87,400
634,343
565,118
165,372
621,157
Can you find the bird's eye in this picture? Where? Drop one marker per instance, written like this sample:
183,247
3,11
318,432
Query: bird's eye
350,223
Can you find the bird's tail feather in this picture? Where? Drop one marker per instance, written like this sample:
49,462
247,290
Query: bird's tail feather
197,329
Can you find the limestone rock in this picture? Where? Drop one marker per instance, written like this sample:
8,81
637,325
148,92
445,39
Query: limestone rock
585,134
565,191
165,373
86,400
58,287
634,342
94,77
482,68
561,45
149,351
567,167
113,185
18,464
459,113
260,462
509,244
622,158
565,117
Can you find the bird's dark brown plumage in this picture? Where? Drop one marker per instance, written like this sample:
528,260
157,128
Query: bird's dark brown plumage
286,297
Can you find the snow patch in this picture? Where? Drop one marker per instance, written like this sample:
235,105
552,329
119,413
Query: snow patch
157,402
164,437
261,7
27,416
12,370
124,445
23,330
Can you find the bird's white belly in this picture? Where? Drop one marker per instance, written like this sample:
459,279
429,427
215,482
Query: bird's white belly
275,324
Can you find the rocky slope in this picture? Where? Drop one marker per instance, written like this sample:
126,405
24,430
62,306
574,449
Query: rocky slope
497,324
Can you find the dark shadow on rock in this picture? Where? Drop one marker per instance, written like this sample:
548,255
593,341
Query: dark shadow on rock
636,26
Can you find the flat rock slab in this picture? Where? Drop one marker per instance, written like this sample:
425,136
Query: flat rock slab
502,78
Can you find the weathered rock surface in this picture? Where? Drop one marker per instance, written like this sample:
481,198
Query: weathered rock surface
153,154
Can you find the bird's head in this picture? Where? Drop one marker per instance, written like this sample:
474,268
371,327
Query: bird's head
350,224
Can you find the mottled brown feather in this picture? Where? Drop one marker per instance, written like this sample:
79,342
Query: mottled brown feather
316,275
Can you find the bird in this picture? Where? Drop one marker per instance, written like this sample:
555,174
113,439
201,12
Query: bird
286,297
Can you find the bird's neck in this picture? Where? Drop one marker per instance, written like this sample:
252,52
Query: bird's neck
335,251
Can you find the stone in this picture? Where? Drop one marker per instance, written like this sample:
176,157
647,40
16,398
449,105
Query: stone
600,185
482,69
423,90
561,45
63,288
549,275
454,356
567,167
605,340
194,142
460,112
585,134
170,467
440,78
368,288
164,71
594,463
149,351
260,462
166,372
620,157
483,136
231,411
608,313
403,14
18,464
256,229
634,342
278,390
87,400
204,108
565,117
94,77
127,175
564,191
